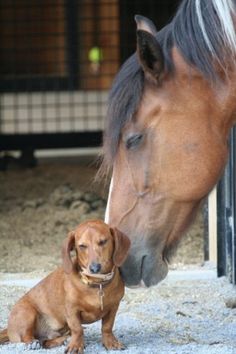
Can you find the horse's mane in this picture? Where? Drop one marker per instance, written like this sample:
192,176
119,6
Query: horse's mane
203,31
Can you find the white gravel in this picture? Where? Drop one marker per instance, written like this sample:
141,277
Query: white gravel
186,313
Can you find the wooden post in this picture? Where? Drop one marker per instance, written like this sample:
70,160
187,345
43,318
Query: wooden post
212,225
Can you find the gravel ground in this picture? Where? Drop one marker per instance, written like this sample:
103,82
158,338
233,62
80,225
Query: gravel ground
191,311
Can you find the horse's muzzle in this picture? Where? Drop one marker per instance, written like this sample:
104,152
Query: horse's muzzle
147,269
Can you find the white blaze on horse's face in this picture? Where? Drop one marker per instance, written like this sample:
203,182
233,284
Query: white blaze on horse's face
106,219
174,148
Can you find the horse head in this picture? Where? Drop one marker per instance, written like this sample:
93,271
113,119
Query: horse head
169,118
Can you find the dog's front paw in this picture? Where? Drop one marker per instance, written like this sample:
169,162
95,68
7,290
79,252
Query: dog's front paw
111,343
75,347
34,345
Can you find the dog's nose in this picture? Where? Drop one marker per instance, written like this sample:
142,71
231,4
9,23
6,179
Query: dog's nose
95,267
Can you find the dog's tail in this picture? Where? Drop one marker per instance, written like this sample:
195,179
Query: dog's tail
3,336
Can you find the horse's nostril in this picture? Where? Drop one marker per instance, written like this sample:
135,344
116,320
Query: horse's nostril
95,267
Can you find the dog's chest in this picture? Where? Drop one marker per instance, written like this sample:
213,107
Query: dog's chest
97,302
91,316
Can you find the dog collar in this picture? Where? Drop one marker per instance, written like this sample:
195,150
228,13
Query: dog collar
97,281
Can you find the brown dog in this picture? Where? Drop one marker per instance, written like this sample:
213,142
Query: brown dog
84,290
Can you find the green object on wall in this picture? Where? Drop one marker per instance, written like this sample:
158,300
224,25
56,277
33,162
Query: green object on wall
95,55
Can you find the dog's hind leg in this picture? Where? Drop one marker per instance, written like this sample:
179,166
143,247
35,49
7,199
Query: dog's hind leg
22,324
55,342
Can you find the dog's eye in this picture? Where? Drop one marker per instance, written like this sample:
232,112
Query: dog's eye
102,242
82,247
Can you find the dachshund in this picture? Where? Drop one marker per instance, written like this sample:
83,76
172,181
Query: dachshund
87,287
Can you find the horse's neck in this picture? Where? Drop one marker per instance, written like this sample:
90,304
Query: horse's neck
221,95
227,94
234,97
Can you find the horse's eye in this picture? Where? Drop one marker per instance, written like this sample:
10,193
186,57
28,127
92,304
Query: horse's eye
133,141
82,247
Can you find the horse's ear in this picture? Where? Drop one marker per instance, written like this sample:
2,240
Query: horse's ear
148,49
67,247
145,24
122,245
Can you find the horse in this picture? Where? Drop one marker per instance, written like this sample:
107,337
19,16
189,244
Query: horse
170,109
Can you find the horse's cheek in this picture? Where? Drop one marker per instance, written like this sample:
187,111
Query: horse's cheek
197,175
203,173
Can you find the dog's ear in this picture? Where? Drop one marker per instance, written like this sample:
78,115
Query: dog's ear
67,247
122,245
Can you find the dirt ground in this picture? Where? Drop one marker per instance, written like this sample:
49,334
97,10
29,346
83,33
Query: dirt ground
39,206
